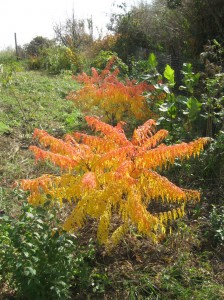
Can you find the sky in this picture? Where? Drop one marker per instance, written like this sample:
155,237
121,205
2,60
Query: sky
29,18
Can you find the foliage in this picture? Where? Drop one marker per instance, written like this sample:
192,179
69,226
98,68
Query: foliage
109,174
8,70
76,60
77,36
140,28
202,113
213,57
53,59
45,54
127,26
190,79
217,224
37,44
213,159
199,105
105,43
145,69
205,21
187,26
33,63
169,75
213,94
179,112
136,269
213,104
104,57
110,96
37,258
56,59
172,4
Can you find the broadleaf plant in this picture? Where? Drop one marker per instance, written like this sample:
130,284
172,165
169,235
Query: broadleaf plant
108,175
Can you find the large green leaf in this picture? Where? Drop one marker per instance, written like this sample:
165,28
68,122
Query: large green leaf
152,60
169,75
194,106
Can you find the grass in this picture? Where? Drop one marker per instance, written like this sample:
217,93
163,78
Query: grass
185,265
33,99
30,100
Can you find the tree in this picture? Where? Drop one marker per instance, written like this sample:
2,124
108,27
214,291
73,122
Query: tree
74,34
205,18
127,26
37,45
203,21
151,26
77,36
179,27
172,4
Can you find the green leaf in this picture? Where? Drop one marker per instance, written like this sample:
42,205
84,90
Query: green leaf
29,215
30,245
26,254
30,271
194,106
36,234
163,107
169,75
39,221
152,60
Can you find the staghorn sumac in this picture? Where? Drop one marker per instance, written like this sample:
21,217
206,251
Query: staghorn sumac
108,175
111,97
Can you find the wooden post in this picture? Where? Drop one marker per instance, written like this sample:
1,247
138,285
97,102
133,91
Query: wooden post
16,47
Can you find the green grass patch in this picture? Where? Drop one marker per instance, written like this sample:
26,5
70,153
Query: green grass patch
32,99
29,100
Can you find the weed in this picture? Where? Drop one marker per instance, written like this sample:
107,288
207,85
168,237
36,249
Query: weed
38,260
217,224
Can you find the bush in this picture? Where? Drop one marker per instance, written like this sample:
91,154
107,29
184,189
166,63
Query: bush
104,57
37,259
107,176
53,59
37,44
105,94
145,69
34,63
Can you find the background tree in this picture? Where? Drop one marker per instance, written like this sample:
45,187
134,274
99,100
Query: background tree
175,27
205,19
127,25
37,45
146,26
75,33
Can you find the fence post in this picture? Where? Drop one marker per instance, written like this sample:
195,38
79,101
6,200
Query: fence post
16,47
